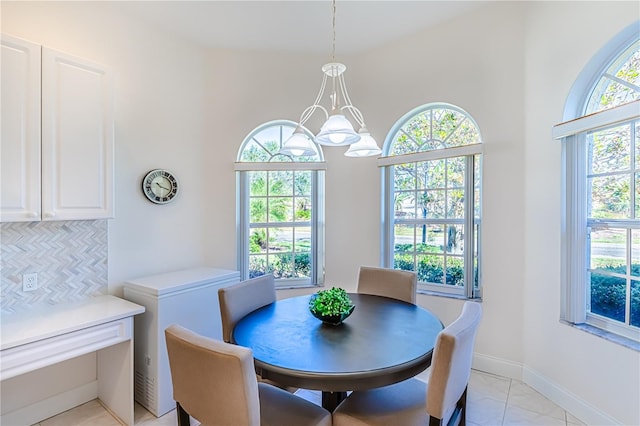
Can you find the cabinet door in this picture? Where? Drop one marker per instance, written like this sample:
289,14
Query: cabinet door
77,138
20,124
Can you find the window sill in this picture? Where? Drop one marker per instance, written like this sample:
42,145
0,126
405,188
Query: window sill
296,286
611,337
447,295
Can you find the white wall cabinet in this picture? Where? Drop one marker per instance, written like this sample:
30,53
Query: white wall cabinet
57,142
20,143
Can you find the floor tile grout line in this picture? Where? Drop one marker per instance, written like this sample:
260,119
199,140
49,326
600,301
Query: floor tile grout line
566,413
506,402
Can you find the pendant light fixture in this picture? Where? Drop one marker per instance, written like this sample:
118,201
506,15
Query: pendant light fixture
337,130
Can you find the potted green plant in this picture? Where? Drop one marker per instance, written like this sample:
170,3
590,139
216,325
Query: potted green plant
331,306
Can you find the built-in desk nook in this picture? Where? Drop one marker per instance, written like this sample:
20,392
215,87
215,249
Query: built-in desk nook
44,337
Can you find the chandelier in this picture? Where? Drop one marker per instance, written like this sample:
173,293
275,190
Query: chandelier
337,130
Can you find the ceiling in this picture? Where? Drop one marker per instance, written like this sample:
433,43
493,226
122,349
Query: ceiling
296,26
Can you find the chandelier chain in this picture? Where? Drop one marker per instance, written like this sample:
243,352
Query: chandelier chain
333,51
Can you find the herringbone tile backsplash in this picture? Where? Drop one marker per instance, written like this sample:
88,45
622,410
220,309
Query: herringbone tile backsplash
70,258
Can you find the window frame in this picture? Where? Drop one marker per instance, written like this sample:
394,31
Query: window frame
316,222
471,153
575,224
577,122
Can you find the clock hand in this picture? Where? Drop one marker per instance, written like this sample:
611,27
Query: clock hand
166,189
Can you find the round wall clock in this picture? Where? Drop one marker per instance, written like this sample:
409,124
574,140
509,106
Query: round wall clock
160,186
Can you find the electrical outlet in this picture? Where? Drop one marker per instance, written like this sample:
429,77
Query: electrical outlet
30,281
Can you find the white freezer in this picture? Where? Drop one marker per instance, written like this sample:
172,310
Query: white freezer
189,298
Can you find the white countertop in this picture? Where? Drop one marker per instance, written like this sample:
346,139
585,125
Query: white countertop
30,326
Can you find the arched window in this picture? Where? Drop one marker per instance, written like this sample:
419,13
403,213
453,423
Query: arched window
619,84
280,209
601,148
431,198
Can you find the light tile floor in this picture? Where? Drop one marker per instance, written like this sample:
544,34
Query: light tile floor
492,401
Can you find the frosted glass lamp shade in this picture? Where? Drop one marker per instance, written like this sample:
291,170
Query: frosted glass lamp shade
298,145
337,131
365,147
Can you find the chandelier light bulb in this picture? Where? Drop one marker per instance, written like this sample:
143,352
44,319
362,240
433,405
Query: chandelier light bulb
365,147
337,131
298,145
337,139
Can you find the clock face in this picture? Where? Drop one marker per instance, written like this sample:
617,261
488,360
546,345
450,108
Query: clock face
160,186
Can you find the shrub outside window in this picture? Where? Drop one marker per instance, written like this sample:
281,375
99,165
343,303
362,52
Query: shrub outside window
431,204
280,209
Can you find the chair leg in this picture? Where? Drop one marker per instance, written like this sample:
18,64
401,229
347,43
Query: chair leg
183,416
434,421
462,406
459,415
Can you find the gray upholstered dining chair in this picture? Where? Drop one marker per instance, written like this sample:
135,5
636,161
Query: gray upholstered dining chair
214,382
239,299
440,401
392,283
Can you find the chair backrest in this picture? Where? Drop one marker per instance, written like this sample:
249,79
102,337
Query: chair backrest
451,362
237,300
213,381
392,283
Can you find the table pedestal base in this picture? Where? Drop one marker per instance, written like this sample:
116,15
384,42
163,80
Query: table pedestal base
330,400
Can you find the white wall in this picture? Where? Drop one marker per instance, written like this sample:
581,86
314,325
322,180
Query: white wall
561,38
510,65
461,63
160,117
244,89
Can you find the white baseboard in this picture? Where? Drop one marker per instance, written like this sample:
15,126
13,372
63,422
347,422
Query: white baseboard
498,366
577,406
572,403
44,409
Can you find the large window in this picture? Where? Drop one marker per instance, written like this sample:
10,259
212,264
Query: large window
431,210
601,241
280,209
